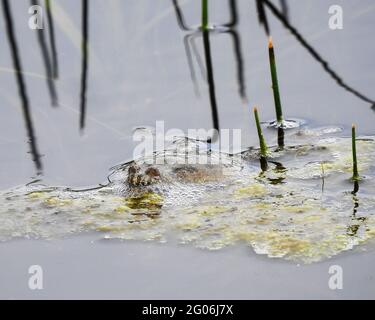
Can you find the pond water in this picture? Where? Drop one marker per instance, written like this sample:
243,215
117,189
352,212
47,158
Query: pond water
141,67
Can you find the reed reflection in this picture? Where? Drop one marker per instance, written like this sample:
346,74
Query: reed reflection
210,78
36,157
51,32
46,60
190,49
280,16
356,221
85,35
262,16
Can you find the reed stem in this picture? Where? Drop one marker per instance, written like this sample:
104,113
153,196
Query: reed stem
275,84
354,151
262,143
204,14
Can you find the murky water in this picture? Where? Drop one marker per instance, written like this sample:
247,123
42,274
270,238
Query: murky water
150,68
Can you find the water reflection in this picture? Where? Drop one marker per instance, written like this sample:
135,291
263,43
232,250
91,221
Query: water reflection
46,60
239,61
21,85
280,138
210,79
190,47
51,32
262,16
279,15
233,14
263,164
285,9
85,34
355,220
180,17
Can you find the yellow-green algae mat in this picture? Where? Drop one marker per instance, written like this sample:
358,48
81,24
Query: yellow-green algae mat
302,208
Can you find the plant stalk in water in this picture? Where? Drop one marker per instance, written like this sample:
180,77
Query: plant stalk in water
262,143
204,14
354,150
275,84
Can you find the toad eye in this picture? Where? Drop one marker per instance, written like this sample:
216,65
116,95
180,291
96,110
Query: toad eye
133,169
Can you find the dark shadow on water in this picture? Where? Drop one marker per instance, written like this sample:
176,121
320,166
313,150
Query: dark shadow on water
46,60
279,15
21,85
85,34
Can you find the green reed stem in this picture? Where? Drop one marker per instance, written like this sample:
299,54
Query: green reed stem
275,83
262,143
204,14
354,150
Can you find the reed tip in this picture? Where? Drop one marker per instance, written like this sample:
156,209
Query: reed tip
353,126
270,44
255,109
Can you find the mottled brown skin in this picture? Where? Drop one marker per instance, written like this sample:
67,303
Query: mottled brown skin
137,178
187,173
197,174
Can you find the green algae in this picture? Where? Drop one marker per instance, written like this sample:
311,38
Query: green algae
300,219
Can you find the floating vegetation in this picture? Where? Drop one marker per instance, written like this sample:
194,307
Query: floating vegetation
281,212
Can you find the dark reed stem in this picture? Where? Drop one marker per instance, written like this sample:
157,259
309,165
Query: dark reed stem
275,83
51,30
262,143
354,151
85,34
204,14
21,85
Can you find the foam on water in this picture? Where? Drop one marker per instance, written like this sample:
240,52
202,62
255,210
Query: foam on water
301,208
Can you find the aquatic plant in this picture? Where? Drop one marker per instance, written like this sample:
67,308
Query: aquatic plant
262,143
275,84
204,14
354,151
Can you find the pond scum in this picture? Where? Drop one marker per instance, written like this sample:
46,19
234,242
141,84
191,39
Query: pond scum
302,208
